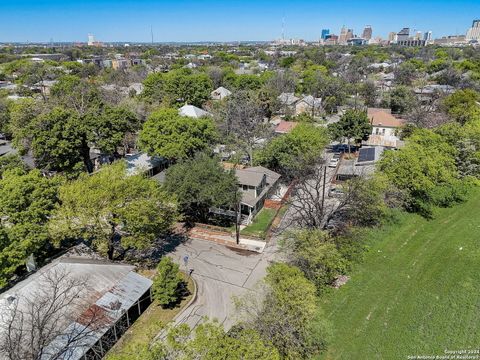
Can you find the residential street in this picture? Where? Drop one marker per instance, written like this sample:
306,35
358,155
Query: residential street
219,273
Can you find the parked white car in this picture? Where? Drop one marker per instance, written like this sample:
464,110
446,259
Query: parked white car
333,163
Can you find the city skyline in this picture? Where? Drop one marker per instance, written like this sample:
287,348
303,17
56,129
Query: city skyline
190,21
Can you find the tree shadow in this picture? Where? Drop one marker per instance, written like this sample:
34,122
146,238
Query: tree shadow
182,293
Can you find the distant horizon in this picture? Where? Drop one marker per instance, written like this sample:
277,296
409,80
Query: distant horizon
188,21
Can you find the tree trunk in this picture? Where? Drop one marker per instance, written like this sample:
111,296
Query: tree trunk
111,249
86,156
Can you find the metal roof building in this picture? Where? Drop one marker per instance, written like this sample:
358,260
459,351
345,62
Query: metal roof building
114,294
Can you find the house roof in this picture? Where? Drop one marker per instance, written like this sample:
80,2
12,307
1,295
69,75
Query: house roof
272,176
107,283
430,89
285,127
312,101
141,162
383,117
192,111
248,177
288,98
221,92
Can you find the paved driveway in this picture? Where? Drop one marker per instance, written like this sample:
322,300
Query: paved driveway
220,273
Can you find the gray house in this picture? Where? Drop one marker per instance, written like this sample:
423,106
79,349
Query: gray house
257,184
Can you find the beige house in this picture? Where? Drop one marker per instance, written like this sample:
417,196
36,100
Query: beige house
309,105
384,128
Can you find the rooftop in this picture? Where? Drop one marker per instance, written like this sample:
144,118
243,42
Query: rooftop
192,111
107,283
284,127
383,117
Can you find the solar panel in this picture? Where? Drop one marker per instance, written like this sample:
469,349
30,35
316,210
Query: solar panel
366,154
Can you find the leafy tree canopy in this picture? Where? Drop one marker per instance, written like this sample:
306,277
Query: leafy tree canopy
109,205
287,154
178,86
354,124
166,282
201,183
167,134
27,199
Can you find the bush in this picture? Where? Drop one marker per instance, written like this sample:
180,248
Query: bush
167,283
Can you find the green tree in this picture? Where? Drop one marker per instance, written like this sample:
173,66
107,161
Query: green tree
463,105
59,142
313,253
177,86
466,139
167,282
354,124
290,153
4,116
108,128
76,94
330,89
26,203
167,134
12,161
401,100
209,342
425,171
22,115
201,183
212,343
405,73
287,314
111,205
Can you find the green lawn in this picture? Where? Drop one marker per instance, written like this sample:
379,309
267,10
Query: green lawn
417,292
260,224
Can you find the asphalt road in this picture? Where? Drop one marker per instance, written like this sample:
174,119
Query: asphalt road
220,273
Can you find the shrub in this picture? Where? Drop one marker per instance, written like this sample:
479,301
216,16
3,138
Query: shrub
167,282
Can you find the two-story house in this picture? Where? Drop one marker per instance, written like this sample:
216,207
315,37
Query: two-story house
256,184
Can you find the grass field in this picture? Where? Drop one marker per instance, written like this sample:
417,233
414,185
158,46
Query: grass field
416,293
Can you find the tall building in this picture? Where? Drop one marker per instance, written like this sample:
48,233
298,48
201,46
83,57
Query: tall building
427,36
325,32
91,40
391,36
350,34
403,35
474,32
342,39
367,32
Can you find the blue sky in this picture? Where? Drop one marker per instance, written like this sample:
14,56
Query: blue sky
203,20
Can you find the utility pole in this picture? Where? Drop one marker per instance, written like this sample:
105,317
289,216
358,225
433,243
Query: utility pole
237,218
323,188
151,32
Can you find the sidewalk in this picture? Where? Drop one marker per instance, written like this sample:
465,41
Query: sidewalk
225,238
